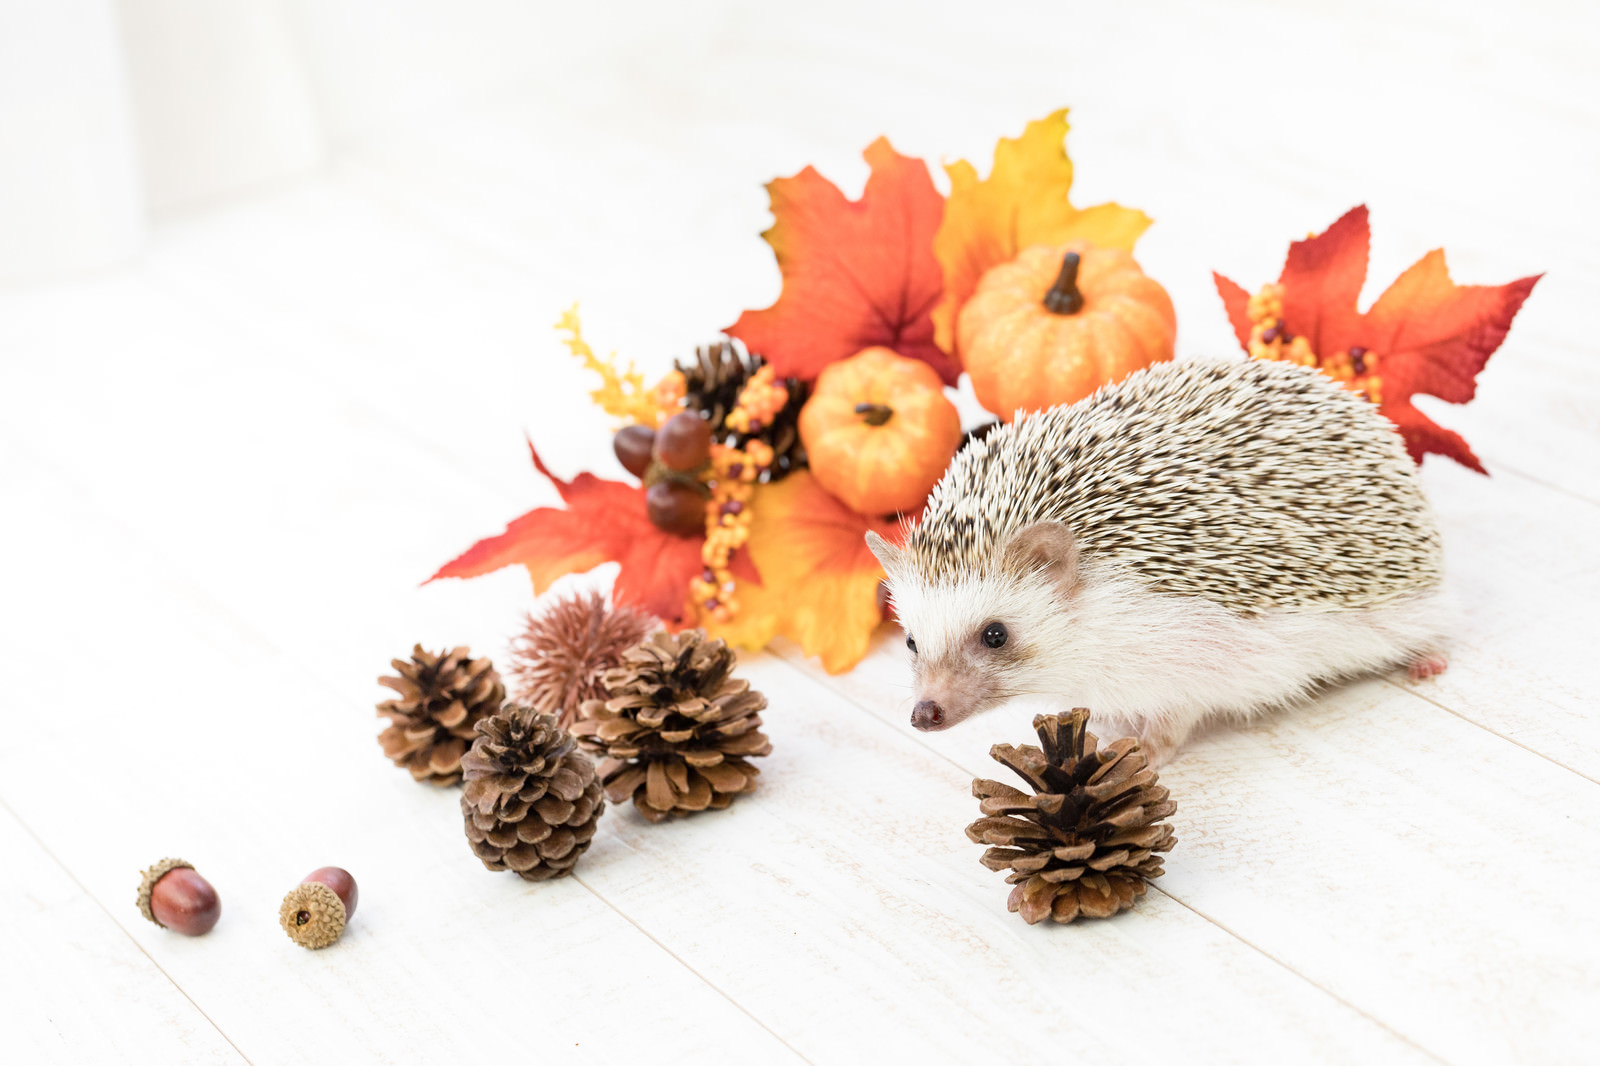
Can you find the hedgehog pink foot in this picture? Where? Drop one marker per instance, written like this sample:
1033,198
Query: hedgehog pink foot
1429,666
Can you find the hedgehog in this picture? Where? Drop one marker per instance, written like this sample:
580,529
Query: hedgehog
1204,540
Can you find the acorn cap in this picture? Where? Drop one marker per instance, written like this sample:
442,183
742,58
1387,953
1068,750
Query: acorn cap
147,883
312,914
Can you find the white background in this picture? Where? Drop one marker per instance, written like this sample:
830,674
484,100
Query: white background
276,283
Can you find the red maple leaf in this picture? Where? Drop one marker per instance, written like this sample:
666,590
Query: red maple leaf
603,521
1425,334
855,273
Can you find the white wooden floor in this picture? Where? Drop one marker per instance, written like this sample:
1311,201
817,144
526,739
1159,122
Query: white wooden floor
225,470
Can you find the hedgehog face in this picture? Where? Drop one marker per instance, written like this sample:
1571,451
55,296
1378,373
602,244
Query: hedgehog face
977,638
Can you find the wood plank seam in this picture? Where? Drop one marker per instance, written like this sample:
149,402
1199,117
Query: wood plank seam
805,670
740,1007
26,828
1492,732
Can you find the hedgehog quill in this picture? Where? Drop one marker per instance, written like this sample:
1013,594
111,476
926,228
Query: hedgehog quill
1206,539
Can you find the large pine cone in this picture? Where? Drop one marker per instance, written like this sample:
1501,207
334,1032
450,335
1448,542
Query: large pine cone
713,382
1087,842
441,699
531,800
678,728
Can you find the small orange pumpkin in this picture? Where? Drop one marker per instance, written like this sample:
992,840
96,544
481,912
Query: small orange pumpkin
879,431
1057,322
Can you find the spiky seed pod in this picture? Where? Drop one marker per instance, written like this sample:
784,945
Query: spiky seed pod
1252,484
441,698
679,729
1088,839
558,658
713,382
531,800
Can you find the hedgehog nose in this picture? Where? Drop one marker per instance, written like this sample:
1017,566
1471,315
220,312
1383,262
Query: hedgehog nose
927,715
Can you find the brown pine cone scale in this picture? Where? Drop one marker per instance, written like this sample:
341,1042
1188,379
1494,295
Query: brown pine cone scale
678,730
531,801
1088,839
440,699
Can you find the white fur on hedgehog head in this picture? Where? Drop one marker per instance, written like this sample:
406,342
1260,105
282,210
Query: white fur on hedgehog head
979,635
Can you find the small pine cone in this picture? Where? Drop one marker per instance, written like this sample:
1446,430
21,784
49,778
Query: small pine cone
1088,840
442,697
678,729
531,800
713,383
558,658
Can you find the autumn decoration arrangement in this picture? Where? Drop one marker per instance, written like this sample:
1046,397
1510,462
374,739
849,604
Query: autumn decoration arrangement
751,472
754,470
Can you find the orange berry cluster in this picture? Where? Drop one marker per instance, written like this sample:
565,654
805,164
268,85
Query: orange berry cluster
760,401
734,474
1355,369
668,393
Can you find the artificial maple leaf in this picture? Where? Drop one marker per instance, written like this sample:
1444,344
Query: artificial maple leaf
1425,334
1021,203
819,580
603,521
856,274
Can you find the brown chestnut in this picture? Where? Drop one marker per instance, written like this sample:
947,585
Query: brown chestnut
683,442
315,911
676,508
633,445
175,897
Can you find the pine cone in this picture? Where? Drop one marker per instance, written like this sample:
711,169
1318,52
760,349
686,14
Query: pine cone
678,729
531,801
557,660
441,698
1088,841
713,382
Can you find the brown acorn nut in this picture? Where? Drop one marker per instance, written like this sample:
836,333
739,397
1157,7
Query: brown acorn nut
633,445
675,508
315,911
174,896
683,442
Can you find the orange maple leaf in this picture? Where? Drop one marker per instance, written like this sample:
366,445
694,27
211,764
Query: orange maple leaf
1021,203
819,580
1425,334
603,521
856,274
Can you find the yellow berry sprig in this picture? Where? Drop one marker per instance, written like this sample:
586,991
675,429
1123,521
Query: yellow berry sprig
1355,369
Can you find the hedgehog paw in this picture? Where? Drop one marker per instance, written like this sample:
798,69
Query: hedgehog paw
1427,666
1159,745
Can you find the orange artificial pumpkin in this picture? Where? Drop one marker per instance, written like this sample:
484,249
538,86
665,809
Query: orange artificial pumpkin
1057,322
879,431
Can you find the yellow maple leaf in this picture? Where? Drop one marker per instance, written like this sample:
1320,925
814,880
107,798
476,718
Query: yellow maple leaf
1021,203
819,581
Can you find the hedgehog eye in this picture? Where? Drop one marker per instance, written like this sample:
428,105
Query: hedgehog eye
994,634
912,644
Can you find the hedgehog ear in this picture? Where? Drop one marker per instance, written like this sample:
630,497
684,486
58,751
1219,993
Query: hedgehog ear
1046,549
892,558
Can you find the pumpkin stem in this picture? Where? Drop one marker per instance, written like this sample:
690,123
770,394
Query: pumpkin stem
874,414
1064,297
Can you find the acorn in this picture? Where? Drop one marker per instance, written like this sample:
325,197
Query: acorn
174,896
315,911
683,442
676,508
633,446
